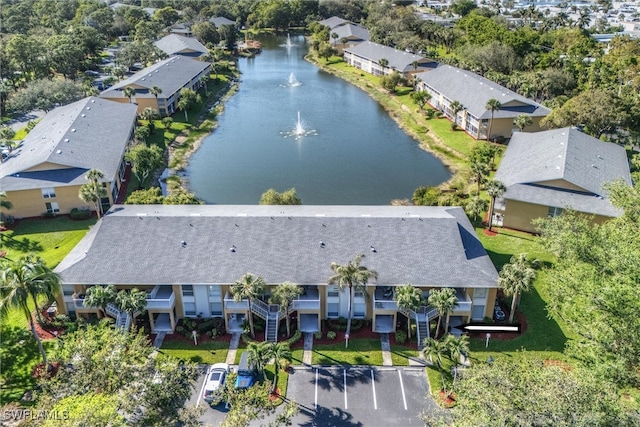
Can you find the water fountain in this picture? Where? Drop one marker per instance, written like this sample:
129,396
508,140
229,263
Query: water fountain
299,130
293,81
288,45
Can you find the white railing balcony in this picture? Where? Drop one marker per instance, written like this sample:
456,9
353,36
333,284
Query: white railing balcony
385,304
306,304
231,304
79,303
159,302
462,306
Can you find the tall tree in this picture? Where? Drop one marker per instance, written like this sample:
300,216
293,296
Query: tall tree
442,300
100,296
248,287
131,301
187,99
155,91
522,121
421,97
493,105
94,190
456,107
351,276
516,277
144,160
129,92
284,294
410,298
24,279
259,356
278,352
495,189
4,202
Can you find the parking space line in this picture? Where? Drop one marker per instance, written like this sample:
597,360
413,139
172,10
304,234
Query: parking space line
344,372
404,398
373,383
316,401
204,383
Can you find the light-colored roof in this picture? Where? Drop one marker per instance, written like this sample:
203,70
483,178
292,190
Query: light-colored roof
533,159
170,75
350,31
474,91
219,21
333,22
398,59
90,133
434,246
174,44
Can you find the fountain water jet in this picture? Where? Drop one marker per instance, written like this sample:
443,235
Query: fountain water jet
299,130
293,81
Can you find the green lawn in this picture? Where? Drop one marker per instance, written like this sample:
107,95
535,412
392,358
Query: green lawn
361,351
209,352
49,238
400,355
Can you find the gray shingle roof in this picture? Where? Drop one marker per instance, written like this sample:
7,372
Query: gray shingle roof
350,31
333,22
90,133
170,75
219,21
421,245
562,154
398,59
174,44
474,91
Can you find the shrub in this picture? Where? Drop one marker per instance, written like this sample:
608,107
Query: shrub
296,337
206,326
180,329
414,328
454,126
331,335
218,323
209,333
318,335
401,337
79,213
48,214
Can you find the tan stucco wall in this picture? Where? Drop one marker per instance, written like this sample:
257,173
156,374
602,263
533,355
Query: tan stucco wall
46,166
561,183
518,215
30,203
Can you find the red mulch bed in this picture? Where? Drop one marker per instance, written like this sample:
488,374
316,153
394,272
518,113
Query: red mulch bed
491,233
45,333
520,318
176,336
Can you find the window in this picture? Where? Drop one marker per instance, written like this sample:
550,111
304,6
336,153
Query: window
332,291
187,291
553,211
480,293
189,308
215,292
49,193
67,290
332,309
52,207
215,308
477,312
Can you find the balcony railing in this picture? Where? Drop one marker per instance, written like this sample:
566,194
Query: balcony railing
231,304
462,306
78,302
385,304
306,304
159,302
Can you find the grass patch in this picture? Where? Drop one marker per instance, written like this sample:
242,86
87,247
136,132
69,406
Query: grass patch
361,351
400,355
18,355
283,381
209,352
49,238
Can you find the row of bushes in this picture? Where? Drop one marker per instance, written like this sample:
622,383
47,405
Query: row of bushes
340,324
330,335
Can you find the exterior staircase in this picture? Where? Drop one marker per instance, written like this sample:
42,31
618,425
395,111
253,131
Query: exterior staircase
272,315
123,319
422,317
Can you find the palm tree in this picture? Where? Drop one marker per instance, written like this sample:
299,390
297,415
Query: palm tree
522,121
150,114
183,105
352,276
284,294
383,62
129,92
4,202
278,352
475,207
131,301
495,189
259,356
248,287
493,105
442,300
456,107
410,298
167,122
100,296
94,191
457,347
203,82
435,349
515,278
155,91
28,277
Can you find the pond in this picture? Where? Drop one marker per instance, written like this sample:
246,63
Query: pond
294,125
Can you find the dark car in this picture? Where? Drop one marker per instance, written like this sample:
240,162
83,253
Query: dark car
498,313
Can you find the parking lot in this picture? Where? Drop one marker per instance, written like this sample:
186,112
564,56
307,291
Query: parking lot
211,416
359,396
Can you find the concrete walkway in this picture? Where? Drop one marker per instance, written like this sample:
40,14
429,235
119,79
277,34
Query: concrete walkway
418,361
157,343
233,348
386,350
307,355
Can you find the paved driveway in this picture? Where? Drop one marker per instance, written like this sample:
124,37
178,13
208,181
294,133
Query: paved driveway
359,396
211,416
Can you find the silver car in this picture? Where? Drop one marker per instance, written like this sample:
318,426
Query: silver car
216,375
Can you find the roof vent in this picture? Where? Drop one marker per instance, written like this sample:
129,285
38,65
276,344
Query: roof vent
184,244
373,249
59,152
142,79
322,245
93,101
232,249
594,166
88,108
84,115
600,157
73,130
149,74
66,140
